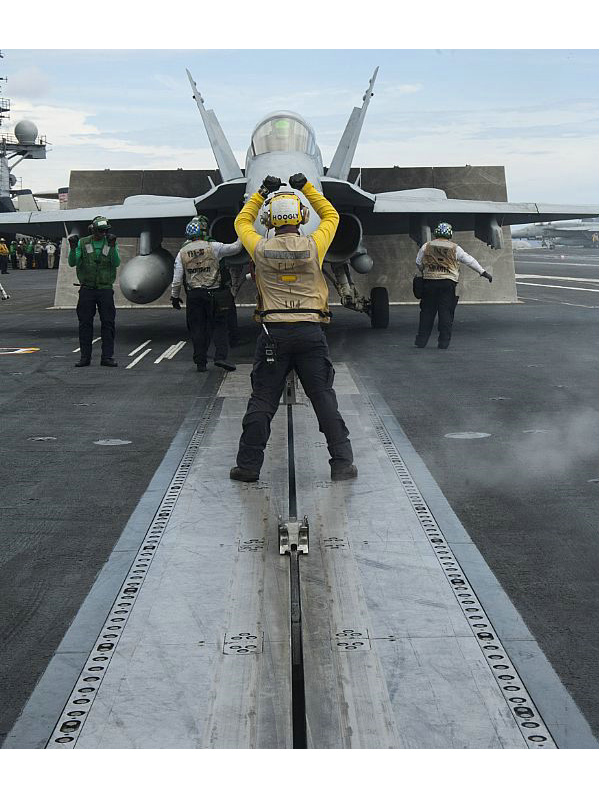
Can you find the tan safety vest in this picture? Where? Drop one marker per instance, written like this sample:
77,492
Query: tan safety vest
439,260
200,265
290,282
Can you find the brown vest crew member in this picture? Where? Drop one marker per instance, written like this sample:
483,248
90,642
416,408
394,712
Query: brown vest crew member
439,262
292,305
208,297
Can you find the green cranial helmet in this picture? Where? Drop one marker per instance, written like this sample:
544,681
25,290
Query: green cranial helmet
100,225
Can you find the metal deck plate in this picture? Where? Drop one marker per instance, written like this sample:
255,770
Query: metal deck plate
393,648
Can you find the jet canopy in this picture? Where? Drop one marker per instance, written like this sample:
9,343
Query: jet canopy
283,132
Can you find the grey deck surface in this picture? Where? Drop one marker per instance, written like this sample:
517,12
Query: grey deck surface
391,660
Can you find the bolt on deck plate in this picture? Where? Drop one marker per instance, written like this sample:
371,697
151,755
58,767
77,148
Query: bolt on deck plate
245,643
350,640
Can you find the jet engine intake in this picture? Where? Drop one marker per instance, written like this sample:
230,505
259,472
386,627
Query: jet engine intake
347,240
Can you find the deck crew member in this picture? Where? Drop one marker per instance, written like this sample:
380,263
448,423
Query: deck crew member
96,258
208,293
29,255
3,257
292,304
438,262
14,258
50,251
38,254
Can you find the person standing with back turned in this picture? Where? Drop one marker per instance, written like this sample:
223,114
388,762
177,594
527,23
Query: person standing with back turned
438,262
208,296
292,304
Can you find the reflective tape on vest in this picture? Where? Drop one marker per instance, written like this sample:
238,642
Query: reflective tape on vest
286,255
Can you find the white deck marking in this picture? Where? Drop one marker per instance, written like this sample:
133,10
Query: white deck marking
165,354
555,302
141,347
176,349
551,286
97,339
139,358
559,278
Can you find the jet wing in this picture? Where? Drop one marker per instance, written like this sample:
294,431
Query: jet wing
344,195
415,211
131,217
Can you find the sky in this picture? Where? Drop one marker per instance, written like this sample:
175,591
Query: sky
533,111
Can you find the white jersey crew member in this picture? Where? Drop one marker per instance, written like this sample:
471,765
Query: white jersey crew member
208,296
292,304
439,264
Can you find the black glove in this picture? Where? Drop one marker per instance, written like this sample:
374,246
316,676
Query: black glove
111,239
486,275
176,303
297,181
73,241
269,185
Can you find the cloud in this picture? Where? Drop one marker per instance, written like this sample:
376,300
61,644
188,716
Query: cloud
27,83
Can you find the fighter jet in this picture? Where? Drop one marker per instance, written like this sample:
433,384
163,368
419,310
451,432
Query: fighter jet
563,232
283,143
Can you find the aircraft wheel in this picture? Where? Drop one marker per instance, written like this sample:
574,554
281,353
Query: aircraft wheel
380,307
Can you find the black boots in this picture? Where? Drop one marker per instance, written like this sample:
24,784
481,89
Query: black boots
344,473
241,474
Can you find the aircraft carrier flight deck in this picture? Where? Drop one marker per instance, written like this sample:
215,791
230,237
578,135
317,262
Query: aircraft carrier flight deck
447,598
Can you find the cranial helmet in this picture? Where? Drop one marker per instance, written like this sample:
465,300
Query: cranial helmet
197,227
99,225
284,208
443,231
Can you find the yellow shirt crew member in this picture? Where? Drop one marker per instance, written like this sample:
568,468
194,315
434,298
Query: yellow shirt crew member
292,302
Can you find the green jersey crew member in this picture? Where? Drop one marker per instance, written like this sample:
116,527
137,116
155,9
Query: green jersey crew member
208,296
439,263
96,258
292,304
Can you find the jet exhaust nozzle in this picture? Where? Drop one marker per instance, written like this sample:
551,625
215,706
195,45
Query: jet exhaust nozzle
145,278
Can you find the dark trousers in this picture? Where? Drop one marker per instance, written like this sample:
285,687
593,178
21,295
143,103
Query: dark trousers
439,298
13,260
29,260
204,324
89,300
303,347
232,326
4,264
37,257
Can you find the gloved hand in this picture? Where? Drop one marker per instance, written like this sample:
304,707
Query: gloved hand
269,185
73,241
486,275
111,239
176,303
297,181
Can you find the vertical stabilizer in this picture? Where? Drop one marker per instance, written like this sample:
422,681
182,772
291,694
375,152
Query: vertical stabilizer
228,166
342,159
